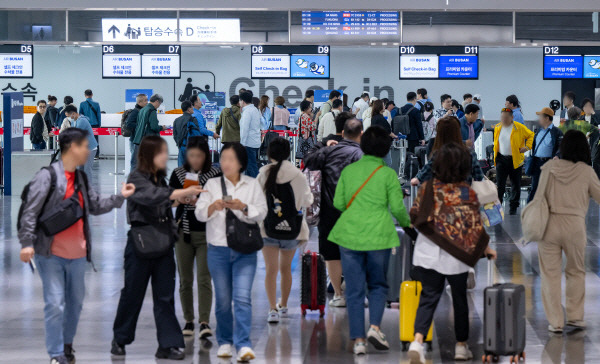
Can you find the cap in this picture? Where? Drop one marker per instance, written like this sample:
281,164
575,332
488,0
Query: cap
505,109
477,97
546,111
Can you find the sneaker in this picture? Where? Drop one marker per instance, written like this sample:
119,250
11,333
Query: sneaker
188,329
377,339
360,348
245,354
556,330
338,301
282,310
273,317
116,349
577,324
416,353
69,353
462,352
471,279
512,211
59,360
170,353
205,331
224,351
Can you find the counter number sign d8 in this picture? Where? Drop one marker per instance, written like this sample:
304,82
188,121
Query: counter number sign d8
257,49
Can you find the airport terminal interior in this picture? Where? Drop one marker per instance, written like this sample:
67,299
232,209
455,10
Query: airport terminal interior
510,72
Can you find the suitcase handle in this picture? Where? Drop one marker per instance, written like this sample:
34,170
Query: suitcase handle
490,273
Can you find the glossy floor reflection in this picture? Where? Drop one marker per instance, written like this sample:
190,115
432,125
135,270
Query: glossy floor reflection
294,339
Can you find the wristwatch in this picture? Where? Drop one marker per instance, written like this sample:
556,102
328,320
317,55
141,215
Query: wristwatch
245,209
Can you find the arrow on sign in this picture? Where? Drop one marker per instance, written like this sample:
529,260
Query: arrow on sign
114,31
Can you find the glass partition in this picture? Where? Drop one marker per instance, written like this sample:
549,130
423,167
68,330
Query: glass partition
32,26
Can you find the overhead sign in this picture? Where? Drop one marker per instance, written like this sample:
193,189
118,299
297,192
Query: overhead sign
290,61
571,62
141,61
16,61
166,30
452,62
337,25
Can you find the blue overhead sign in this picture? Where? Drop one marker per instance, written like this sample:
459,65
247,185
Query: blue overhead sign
459,66
561,67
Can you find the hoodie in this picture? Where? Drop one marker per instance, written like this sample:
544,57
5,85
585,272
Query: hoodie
302,193
570,187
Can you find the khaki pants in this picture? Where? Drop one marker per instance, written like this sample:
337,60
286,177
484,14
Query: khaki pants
565,233
186,253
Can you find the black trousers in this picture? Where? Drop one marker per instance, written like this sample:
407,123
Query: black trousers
535,175
433,287
504,170
412,144
161,272
97,150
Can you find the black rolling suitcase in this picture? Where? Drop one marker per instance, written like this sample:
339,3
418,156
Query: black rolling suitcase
421,153
313,290
411,166
503,320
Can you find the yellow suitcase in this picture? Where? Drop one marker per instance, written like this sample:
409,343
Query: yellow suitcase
410,292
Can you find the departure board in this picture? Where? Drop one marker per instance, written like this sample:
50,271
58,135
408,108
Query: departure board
571,62
141,61
375,25
16,61
305,61
444,63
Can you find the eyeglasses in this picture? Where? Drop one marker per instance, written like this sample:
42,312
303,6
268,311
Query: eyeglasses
42,106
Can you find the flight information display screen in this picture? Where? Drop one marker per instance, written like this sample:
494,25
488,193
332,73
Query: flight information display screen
571,62
427,62
16,61
376,25
298,62
141,61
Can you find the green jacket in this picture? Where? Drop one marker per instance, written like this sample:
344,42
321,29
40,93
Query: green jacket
367,224
230,124
147,123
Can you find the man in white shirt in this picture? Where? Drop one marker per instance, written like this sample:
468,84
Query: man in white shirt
327,123
361,106
250,134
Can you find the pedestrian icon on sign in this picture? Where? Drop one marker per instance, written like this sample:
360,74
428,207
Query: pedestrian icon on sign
132,33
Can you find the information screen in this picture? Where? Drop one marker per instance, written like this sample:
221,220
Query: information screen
16,61
426,62
372,24
141,61
571,62
290,61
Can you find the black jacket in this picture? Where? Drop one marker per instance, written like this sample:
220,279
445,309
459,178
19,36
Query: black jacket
556,134
416,124
131,122
51,116
331,161
37,129
381,121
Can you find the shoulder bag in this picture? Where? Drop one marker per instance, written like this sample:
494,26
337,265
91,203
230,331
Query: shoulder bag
534,217
361,187
62,215
242,237
487,195
528,164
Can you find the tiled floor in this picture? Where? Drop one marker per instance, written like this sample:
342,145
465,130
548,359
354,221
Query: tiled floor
295,339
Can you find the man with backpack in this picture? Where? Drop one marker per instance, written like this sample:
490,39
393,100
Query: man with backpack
53,225
130,119
91,109
228,125
327,123
410,112
184,127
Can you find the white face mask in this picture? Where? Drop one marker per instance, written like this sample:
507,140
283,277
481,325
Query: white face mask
70,119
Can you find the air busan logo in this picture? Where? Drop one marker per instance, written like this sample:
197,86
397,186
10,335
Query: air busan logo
283,226
16,103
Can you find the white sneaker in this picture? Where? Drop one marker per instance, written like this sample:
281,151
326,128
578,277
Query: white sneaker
245,354
273,317
360,348
471,279
377,339
462,352
282,310
416,353
225,351
555,330
338,301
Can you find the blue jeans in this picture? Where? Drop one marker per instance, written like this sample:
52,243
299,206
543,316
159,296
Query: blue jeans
388,159
39,146
87,167
252,169
232,274
181,156
134,152
63,281
365,268
280,127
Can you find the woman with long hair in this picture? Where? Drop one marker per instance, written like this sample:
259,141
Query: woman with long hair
265,112
191,245
377,119
281,115
149,252
278,252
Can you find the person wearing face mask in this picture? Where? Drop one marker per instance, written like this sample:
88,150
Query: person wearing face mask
61,118
82,122
39,132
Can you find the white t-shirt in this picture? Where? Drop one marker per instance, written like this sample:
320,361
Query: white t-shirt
429,255
504,140
359,108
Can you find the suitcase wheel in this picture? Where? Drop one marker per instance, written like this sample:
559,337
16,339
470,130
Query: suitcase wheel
405,346
303,312
321,310
516,358
490,358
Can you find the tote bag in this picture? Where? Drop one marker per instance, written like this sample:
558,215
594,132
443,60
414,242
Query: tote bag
534,217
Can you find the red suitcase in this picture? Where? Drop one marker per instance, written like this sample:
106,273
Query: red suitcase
314,283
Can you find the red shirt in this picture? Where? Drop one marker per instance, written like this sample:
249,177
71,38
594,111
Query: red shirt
70,243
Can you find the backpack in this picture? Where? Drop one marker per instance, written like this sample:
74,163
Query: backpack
25,194
269,137
180,130
401,122
283,220
124,130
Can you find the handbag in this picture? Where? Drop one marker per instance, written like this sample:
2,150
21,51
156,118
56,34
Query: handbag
62,215
486,190
153,240
242,237
528,164
304,145
534,217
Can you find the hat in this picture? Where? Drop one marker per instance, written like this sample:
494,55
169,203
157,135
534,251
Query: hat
505,109
546,111
477,97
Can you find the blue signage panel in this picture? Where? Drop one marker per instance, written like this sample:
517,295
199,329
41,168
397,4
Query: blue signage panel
560,67
309,66
131,94
591,67
322,96
459,66
13,133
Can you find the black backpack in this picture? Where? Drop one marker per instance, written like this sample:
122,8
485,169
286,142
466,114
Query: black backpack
124,130
283,220
401,122
25,194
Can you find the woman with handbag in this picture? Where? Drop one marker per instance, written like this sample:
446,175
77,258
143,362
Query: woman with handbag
567,185
232,207
452,239
149,252
191,245
366,193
